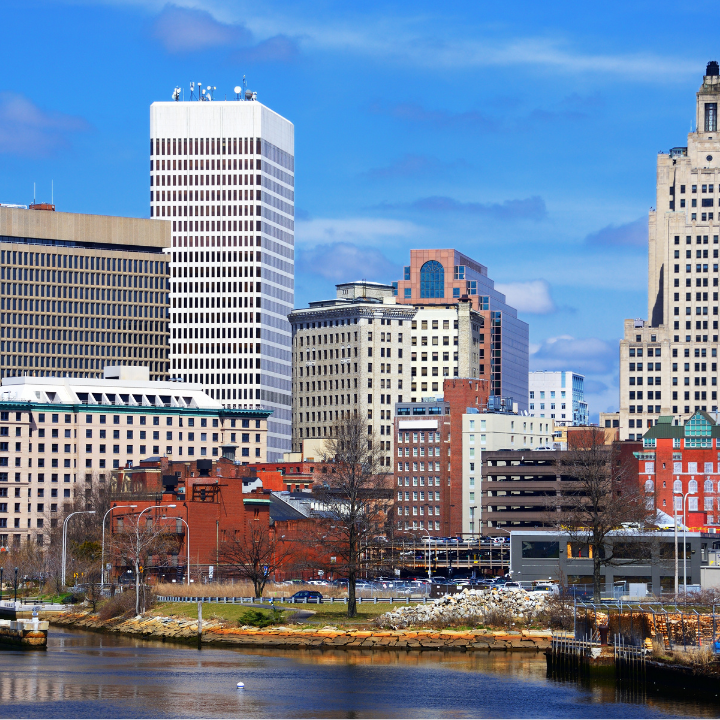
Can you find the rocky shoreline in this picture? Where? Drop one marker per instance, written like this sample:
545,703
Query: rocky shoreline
163,628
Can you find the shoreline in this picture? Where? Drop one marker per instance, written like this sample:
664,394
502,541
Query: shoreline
184,630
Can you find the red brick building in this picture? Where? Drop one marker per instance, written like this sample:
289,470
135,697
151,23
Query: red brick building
428,477
683,460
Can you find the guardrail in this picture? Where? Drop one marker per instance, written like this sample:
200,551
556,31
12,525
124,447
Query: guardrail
288,600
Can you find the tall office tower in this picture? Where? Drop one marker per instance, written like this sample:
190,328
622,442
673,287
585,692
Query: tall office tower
442,277
224,174
351,355
668,364
79,292
559,395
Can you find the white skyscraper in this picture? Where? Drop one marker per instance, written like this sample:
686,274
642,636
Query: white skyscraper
224,173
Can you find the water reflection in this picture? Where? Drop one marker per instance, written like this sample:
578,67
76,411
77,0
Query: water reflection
88,675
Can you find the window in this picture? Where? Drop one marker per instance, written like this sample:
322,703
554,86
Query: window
432,280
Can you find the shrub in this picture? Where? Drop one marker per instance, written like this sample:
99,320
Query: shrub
121,604
259,618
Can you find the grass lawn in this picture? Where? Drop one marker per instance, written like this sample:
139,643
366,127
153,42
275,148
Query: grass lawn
324,614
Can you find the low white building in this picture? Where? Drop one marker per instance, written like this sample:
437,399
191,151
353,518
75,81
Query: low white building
61,437
490,431
560,396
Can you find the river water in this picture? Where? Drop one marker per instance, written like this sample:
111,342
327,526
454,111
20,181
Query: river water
86,675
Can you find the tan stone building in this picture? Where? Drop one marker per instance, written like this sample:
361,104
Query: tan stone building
668,363
79,292
62,437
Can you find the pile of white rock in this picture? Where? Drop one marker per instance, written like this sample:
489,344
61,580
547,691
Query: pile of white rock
468,607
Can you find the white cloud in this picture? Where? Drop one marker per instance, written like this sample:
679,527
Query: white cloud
584,355
26,129
426,40
529,297
362,231
345,262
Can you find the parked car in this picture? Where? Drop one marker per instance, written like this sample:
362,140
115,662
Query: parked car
511,585
310,596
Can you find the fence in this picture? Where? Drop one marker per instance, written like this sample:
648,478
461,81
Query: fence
269,601
669,626
569,656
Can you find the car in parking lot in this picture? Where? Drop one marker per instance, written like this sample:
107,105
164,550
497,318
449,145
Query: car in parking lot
306,596
510,585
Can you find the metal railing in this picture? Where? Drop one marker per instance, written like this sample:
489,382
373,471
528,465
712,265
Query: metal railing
288,600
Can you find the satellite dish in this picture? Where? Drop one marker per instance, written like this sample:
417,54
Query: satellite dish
237,90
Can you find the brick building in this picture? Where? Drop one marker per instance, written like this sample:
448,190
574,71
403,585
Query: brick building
218,500
429,472
681,459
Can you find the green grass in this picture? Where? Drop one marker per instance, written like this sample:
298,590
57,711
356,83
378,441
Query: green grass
324,614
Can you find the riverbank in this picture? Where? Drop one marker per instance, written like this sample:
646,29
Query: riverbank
216,632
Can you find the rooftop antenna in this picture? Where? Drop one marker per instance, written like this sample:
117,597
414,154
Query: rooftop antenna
237,92
192,88
33,193
52,192
176,94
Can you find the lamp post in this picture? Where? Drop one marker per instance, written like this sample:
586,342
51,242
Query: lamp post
187,543
137,550
1,582
64,540
102,551
16,572
684,509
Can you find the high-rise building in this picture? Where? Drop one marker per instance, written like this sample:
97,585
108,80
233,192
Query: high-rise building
668,363
79,292
443,277
223,172
558,395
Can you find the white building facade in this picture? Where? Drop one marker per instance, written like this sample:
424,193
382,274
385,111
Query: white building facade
560,396
224,174
488,432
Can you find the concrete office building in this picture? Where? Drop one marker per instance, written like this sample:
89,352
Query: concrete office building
223,173
351,355
79,292
668,363
61,437
442,278
560,396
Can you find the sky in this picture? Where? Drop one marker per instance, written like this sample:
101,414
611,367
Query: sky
523,135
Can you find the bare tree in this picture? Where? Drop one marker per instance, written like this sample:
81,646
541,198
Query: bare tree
601,497
354,497
255,555
136,541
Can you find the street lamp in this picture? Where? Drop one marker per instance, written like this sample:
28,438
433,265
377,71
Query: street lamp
102,552
64,541
137,526
685,511
473,508
187,543
1,582
16,571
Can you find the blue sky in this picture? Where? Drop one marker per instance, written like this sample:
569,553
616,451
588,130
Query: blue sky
524,135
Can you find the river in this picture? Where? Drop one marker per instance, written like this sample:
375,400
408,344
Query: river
86,675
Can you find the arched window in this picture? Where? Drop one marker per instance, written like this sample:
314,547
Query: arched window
677,486
692,486
432,280
709,486
649,486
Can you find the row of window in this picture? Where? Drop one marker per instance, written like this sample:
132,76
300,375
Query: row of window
419,467
542,394
83,262
420,495
417,452
416,510
205,146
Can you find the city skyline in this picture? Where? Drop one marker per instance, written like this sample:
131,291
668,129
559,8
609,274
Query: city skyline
384,164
